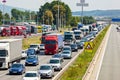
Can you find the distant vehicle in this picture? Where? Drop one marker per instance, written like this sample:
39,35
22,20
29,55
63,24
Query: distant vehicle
53,43
56,63
42,47
89,37
69,37
74,47
31,75
59,56
24,53
95,30
67,48
17,68
32,60
67,54
46,70
74,28
35,46
10,52
78,34
31,51
83,40
79,44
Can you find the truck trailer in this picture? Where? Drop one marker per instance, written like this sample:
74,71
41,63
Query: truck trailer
10,52
53,43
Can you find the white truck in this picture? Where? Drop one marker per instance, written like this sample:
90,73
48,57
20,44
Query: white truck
10,52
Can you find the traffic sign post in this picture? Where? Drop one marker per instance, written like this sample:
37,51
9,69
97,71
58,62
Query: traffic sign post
83,4
89,47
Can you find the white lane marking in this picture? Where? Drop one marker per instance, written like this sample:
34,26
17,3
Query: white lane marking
103,55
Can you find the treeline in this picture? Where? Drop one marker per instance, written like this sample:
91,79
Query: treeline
48,13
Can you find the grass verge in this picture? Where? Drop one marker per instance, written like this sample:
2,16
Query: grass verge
77,70
32,40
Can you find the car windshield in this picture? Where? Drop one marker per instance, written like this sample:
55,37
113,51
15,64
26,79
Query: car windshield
83,40
41,45
77,32
73,45
68,37
58,55
66,48
31,57
30,50
33,46
30,75
54,61
50,42
16,65
65,52
45,67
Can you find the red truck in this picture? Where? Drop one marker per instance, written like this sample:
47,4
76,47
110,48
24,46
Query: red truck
53,43
5,31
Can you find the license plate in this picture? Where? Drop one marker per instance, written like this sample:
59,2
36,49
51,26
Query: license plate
30,63
14,71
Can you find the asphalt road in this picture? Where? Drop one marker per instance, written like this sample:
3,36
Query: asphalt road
110,69
43,59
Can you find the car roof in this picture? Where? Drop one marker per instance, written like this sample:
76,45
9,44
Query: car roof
45,65
66,46
31,72
54,59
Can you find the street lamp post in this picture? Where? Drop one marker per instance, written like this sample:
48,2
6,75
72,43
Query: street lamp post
4,1
58,14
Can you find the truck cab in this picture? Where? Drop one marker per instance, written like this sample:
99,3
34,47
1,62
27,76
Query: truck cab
69,37
53,43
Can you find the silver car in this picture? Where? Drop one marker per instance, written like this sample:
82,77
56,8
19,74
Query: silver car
46,70
56,63
66,54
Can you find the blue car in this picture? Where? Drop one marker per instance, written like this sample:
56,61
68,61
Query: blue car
17,68
31,51
32,60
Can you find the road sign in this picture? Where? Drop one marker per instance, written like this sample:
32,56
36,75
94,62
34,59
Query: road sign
82,4
115,19
89,47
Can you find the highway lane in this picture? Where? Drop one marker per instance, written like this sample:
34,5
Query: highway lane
43,59
110,69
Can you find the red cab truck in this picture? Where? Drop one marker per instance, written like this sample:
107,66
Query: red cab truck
53,43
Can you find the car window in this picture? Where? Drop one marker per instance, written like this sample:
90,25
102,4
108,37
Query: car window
54,61
45,68
30,75
16,65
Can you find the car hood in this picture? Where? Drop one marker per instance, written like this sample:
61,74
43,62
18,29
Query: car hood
31,60
53,64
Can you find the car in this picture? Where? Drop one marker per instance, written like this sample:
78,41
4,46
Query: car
31,51
74,47
46,71
58,56
17,68
32,60
66,54
31,75
79,44
24,53
42,46
67,48
56,63
83,40
42,49
36,47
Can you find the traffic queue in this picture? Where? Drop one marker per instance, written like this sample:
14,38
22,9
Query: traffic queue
60,46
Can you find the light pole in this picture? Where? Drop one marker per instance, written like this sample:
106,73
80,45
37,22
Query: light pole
58,15
4,1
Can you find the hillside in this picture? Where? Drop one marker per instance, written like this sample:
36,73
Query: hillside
107,13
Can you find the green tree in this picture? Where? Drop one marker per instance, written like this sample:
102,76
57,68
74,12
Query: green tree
48,17
73,22
6,16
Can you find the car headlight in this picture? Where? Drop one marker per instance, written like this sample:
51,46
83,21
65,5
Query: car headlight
20,70
49,73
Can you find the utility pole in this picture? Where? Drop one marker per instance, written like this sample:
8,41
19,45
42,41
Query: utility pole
82,4
4,1
58,15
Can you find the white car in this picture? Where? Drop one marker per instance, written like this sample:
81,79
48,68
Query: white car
56,63
46,70
35,46
31,75
24,53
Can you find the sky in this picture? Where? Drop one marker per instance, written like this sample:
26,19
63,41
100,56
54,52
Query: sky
34,5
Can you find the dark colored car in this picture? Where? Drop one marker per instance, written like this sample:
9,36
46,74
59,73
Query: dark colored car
79,44
17,68
31,51
74,47
32,60
58,56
